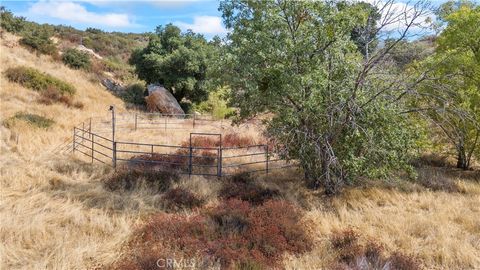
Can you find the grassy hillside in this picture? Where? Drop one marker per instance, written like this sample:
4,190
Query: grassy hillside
58,214
49,229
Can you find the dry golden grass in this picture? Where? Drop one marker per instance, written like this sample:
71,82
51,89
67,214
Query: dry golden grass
40,228
56,214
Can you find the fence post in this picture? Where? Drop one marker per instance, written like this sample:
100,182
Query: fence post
190,157
266,164
219,169
190,160
135,121
73,147
114,158
92,145
112,108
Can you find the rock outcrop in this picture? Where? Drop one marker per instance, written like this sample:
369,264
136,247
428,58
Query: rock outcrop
161,100
113,85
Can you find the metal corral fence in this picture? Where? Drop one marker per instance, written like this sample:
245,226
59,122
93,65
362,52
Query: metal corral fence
188,159
151,121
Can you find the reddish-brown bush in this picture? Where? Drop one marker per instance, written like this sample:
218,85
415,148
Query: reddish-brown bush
180,198
52,95
352,255
228,140
347,246
159,181
177,160
243,187
260,234
234,233
202,141
399,261
235,140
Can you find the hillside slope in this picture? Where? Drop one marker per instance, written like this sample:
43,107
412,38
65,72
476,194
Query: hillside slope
40,228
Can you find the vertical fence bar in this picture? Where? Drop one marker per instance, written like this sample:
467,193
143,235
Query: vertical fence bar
114,157
152,150
73,147
219,155
190,157
135,121
113,122
92,145
267,158
220,158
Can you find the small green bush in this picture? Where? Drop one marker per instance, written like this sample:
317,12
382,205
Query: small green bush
76,59
38,81
32,119
134,94
10,22
216,104
39,40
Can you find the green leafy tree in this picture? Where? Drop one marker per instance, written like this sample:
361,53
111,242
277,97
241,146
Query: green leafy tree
176,60
331,109
364,35
451,98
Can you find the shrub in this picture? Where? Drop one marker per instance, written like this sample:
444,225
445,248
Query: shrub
180,198
135,94
51,96
32,119
39,40
261,234
9,22
352,255
436,179
38,81
347,246
399,261
235,140
228,140
433,160
243,187
234,233
216,104
128,180
76,59
179,160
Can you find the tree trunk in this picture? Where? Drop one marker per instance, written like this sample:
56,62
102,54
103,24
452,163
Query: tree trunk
462,162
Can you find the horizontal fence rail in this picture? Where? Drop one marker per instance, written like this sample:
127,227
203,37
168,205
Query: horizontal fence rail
101,146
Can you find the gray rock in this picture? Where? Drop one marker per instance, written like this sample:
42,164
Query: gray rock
112,85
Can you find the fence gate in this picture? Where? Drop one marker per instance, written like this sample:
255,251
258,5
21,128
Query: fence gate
205,154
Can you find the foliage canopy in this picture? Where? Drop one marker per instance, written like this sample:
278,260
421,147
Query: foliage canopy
297,61
176,60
